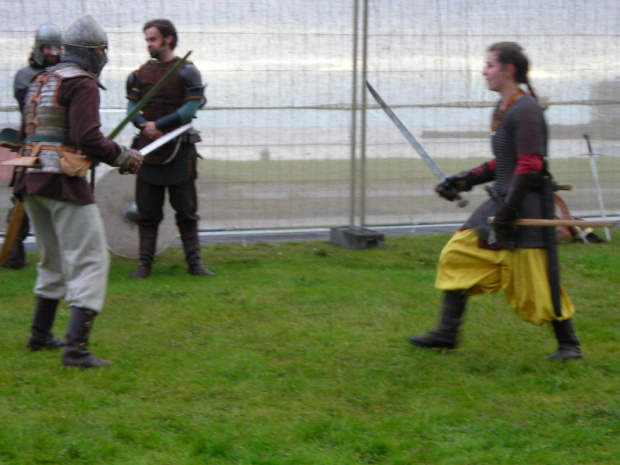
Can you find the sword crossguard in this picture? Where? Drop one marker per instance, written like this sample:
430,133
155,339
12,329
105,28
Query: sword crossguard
463,202
562,187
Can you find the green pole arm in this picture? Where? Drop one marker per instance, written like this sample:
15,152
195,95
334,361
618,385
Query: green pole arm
144,100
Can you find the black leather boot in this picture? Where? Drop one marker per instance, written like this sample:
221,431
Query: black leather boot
568,342
191,245
76,353
148,244
446,332
41,328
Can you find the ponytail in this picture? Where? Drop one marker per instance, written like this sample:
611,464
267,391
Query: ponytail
511,53
530,88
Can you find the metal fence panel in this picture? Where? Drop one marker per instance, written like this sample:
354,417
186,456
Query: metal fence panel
277,136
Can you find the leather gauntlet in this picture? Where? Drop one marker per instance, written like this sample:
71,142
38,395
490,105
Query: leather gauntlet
129,160
464,181
508,210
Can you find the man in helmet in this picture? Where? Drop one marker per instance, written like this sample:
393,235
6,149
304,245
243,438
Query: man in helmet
45,52
62,131
173,166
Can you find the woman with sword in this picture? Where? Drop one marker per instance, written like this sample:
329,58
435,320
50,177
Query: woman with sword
488,258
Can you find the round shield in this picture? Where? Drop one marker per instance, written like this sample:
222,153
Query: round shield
115,195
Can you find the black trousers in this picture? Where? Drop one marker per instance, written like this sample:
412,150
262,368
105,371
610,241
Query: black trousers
150,202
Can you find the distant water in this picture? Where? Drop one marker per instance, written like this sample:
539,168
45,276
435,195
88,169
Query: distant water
326,134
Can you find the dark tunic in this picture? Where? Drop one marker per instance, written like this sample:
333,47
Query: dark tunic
173,166
522,130
166,101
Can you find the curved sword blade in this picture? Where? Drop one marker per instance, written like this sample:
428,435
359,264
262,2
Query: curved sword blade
163,139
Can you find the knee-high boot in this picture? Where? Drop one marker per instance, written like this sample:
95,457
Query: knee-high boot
568,342
445,335
42,322
148,244
76,353
191,245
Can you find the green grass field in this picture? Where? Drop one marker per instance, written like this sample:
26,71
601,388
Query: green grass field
296,353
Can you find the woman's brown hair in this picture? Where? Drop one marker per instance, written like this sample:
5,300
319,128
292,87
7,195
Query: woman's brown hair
511,53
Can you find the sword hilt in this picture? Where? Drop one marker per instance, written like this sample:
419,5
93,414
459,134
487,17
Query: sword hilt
463,202
562,187
586,136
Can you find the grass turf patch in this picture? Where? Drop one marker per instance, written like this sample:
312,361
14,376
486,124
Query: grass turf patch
296,353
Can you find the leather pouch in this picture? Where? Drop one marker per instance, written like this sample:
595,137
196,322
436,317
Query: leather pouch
74,164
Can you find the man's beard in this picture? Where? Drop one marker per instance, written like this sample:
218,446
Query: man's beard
51,60
156,54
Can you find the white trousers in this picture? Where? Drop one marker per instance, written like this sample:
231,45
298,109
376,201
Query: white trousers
74,252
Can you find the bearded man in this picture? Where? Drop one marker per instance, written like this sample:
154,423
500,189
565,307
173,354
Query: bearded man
173,166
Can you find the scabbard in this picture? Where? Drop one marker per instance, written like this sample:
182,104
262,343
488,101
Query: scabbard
551,244
563,223
12,232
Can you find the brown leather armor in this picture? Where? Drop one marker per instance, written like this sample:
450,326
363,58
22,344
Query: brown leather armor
47,123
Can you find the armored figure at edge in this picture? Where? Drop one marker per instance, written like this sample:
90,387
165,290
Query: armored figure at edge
62,137
45,52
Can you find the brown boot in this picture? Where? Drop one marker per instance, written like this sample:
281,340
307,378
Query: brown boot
76,353
41,328
191,245
568,342
148,243
446,332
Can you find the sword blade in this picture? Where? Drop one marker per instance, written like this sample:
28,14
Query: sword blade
412,140
599,192
164,139
405,132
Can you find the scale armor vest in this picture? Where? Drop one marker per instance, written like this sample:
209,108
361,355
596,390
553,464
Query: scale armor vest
47,123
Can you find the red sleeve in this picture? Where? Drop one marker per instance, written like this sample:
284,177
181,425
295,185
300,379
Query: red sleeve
528,163
490,165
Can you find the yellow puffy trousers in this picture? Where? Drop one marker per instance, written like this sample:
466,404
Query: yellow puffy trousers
522,274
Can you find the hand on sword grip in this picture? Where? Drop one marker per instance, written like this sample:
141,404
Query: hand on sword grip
447,190
133,162
450,187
